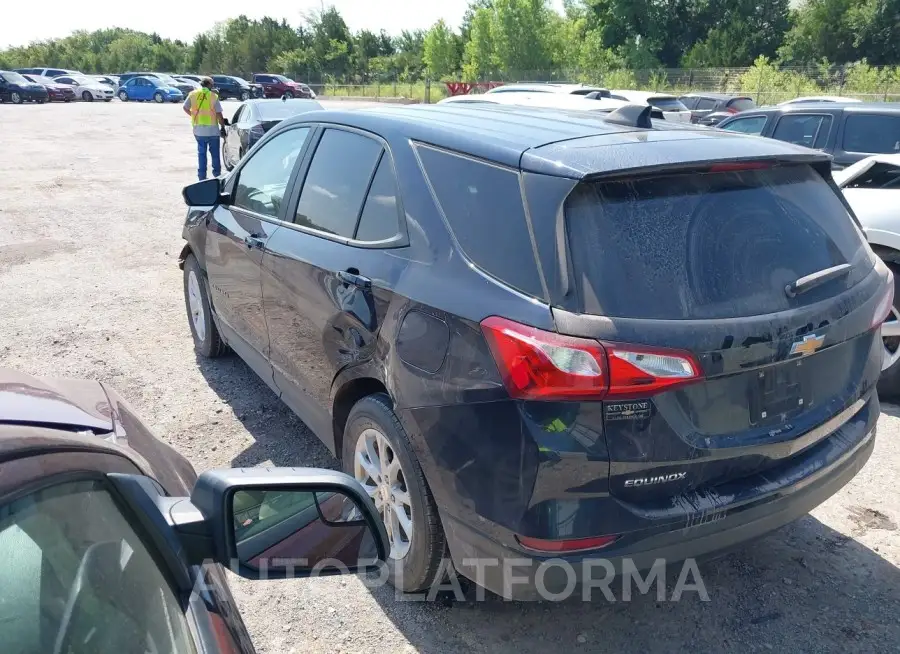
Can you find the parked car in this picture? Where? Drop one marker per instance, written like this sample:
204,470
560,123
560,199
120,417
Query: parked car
253,119
144,89
108,533
109,80
277,86
55,92
848,132
558,101
675,327
193,78
872,187
17,89
818,98
712,108
671,106
229,86
87,88
47,72
563,89
185,86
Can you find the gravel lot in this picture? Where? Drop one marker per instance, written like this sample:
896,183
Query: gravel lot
90,224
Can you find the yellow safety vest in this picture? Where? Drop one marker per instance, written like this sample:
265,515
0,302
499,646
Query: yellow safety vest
203,107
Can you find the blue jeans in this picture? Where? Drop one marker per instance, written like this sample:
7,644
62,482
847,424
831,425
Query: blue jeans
211,142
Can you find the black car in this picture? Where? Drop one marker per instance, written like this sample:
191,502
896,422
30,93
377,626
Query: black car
253,119
533,334
228,86
16,89
712,108
849,132
112,543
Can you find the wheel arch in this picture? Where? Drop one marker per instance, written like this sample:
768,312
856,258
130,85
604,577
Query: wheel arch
350,390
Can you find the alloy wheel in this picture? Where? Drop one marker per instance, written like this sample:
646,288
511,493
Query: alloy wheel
377,468
15,98
158,97
890,336
123,96
195,303
87,97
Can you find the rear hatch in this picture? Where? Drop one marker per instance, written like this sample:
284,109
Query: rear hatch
740,306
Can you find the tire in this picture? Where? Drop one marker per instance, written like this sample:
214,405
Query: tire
87,97
245,95
107,99
15,97
207,341
159,97
418,568
67,100
123,96
889,382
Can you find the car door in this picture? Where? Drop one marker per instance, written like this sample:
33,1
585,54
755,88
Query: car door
864,134
236,235
233,135
328,278
85,577
4,89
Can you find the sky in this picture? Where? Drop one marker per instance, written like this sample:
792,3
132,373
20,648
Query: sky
183,19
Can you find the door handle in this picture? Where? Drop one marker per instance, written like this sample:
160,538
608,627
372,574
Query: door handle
253,241
352,276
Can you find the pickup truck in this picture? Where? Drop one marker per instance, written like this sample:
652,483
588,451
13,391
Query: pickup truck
279,86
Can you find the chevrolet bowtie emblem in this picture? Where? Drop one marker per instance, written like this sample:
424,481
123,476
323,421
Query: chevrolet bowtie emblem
807,345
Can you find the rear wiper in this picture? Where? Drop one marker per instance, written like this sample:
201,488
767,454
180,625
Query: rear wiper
811,281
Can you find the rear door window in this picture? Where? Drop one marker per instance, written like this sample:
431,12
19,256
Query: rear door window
751,125
802,129
708,245
482,204
337,181
706,104
872,134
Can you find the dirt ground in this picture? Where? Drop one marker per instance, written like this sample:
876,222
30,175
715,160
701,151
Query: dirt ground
90,224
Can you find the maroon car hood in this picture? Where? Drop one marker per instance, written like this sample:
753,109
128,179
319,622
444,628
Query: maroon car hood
69,403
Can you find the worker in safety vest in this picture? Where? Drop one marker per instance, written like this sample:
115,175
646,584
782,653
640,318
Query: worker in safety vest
205,110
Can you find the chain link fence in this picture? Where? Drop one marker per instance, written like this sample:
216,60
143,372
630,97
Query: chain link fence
765,84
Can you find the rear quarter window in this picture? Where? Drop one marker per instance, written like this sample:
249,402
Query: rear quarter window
872,134
482,204
707,245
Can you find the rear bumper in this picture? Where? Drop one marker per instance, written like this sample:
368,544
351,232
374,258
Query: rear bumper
516,574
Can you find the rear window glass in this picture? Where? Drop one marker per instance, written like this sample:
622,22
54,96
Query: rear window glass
667,104
806,130
483,206
741,104
880,175
872,134
708,245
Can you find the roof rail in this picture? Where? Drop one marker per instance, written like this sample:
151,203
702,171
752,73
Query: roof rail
631,115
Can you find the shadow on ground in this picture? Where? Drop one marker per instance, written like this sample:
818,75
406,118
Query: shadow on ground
279,435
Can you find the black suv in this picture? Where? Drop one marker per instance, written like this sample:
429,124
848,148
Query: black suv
228,86
534,335
849,132
712,108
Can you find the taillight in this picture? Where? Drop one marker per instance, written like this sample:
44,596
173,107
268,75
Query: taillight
566,545
737,166
885,304
539,365
732,110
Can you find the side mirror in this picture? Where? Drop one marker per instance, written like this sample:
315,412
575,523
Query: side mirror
226,121
205,193
262,523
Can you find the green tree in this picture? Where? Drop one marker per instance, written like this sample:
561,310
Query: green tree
440,52
478,53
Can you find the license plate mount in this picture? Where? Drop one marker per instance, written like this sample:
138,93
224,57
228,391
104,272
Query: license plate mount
780,393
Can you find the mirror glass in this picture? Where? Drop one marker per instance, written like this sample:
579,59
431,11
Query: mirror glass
204,193
280,529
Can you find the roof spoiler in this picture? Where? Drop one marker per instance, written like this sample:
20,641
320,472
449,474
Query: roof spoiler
631,115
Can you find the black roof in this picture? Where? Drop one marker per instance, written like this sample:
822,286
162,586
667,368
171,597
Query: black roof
715,96
552,141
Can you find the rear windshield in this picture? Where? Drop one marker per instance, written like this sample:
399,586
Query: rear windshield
667,104
708,245
741,104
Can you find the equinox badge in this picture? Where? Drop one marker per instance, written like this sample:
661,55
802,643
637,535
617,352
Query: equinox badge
649,481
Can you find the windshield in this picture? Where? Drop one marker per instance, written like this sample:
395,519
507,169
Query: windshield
241,81
708,245
15,78
667,103
281,109
167,79
82,79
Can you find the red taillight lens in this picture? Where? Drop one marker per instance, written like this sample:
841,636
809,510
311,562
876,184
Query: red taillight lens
732,110
885,304
738,166
567,545
539,365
